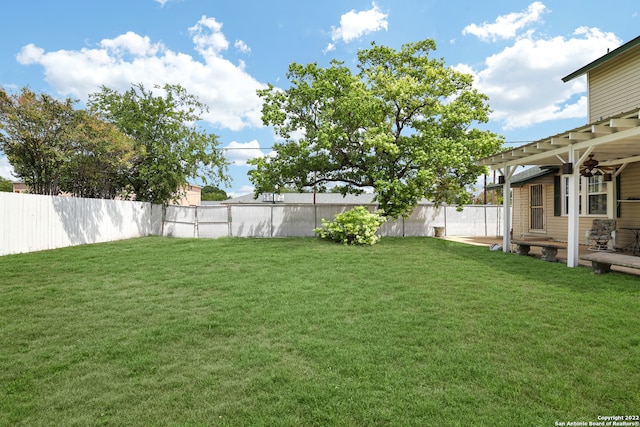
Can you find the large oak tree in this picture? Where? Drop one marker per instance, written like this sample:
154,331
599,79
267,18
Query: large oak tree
403,126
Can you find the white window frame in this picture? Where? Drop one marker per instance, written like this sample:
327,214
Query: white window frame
585,194
597,189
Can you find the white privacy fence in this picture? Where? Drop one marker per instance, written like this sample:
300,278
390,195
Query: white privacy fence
30,222
298,220
33,222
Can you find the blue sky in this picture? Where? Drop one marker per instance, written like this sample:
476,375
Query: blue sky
223,51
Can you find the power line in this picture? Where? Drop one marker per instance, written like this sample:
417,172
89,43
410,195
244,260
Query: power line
517,142
271,148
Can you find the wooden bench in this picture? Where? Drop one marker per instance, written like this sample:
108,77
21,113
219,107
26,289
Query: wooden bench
602,261
549,248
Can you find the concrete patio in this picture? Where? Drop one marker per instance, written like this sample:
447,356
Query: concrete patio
487,241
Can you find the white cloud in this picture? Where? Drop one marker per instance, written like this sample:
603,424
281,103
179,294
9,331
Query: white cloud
208,37
523,81
228,90
354,25
162,3
239,153
244,190
507,26
6,170
329,48
132,44
242,46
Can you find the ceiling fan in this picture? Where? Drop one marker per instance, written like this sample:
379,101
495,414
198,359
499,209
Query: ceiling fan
590,167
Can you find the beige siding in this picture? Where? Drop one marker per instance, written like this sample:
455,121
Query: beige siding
629,210
521,215
556,226
191,195
615,86
20,187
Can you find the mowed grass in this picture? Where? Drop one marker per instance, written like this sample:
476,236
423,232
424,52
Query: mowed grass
300,332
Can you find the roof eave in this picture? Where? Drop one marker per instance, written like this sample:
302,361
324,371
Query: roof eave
620,50
547,151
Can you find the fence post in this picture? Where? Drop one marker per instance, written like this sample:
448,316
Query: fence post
196,231
445,218
486,231
164,218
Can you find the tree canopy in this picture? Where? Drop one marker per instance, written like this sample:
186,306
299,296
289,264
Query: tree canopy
134,144
55,148
34,134
211,193
170,148
401,126
6,185
100,161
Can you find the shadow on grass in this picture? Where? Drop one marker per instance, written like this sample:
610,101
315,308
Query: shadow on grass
509,266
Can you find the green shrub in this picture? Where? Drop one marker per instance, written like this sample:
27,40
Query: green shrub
356,226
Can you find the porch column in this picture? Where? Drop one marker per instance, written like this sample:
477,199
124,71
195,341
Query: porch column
507,172
573,219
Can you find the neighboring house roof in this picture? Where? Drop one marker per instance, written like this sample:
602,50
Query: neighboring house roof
603,59
526,176
304,198
308,198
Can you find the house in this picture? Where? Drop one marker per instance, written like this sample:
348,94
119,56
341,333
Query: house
581,174
19,187
191,196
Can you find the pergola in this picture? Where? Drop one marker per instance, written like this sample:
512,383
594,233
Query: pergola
614,142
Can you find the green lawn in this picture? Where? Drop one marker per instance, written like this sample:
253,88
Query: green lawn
300,332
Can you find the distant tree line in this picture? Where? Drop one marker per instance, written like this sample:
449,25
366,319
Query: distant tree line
211,193
135,144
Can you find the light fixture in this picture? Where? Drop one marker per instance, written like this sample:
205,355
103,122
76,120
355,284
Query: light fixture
591,167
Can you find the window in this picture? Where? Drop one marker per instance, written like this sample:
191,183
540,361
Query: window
596,195
536,202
